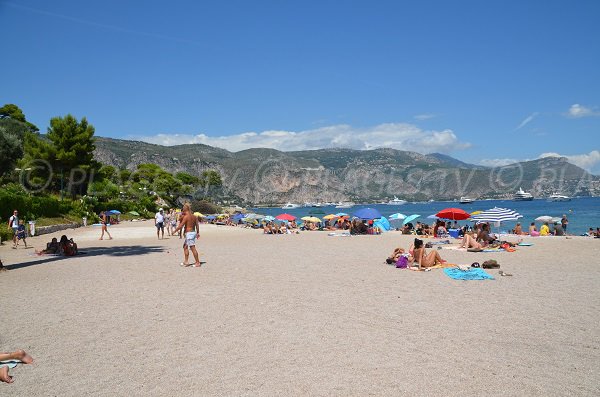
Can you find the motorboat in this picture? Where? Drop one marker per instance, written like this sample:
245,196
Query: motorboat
522,195
344,205
396,201
288,206
559,197
466,200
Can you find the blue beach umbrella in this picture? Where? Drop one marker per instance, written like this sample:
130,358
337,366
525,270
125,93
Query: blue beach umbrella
410,218
341,214
237,217
434,216
269,218
397,216
367,213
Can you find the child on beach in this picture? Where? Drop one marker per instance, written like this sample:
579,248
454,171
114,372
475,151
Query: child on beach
21,235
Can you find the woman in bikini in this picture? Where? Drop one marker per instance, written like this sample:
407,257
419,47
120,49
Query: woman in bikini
423,258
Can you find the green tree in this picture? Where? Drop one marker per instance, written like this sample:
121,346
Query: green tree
12,135
12,111
187,179
211,178
73,144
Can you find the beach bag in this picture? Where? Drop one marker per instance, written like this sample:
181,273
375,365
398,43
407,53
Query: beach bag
402,262
490,264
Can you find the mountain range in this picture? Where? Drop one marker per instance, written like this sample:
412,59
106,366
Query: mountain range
269,176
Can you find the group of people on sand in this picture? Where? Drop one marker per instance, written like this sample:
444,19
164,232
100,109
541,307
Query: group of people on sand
167,220
65,247
281,228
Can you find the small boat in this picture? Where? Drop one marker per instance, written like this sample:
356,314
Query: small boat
290,206
344,205
559,197
466,200
522,195
396,201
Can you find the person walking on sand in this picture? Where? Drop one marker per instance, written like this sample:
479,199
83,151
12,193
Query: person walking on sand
10,360
159,222
564,222
13,224
105,221
189,223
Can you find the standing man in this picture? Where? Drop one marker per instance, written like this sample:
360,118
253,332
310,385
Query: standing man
13,223
191,227
159,222
564,222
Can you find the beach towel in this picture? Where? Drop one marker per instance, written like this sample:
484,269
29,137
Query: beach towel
525,244
494,250
338,234
10,363
439,242
471,274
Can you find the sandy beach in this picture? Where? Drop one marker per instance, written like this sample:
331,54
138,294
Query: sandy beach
303,314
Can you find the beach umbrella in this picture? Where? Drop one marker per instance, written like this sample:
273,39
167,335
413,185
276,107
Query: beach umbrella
211,217
285,217
330,216
410,218
313,219
199,214
269,218
254,216
249,220
367,213
134,213
113,212
341,214
397,216
434,216
476,212
237,217
544,218
497,215
455,214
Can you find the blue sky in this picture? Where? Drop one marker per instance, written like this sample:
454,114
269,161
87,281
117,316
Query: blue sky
487,82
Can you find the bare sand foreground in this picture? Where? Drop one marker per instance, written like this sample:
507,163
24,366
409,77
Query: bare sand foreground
300,314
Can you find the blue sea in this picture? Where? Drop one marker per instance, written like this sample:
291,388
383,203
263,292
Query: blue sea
583,212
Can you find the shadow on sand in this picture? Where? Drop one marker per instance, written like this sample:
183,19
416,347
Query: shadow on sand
118,251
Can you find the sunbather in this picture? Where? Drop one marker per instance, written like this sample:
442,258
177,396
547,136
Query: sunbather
18,355
52,248
424,259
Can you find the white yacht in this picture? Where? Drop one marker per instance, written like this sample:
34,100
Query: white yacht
522,195
344,205
290,206
466,200
559,197
396,201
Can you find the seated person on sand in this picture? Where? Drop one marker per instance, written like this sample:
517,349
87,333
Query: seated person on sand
67,246
483,239
8,359
533,230
441,230
423,258
52,248
545,229
558,229
518,230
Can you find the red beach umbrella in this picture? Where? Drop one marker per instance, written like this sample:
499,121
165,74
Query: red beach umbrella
285,217
456,214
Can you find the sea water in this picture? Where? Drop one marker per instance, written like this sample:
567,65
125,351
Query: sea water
582,212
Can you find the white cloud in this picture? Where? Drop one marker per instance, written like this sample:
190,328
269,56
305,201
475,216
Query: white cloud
588,161
424,116
527,120
577,111
497,162
402,136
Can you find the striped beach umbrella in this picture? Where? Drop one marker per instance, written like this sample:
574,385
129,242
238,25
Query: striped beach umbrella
497,215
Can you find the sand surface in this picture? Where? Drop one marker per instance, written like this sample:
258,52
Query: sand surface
294,315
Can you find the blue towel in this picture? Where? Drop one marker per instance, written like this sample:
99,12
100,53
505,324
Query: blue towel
525,244
10,363
471,274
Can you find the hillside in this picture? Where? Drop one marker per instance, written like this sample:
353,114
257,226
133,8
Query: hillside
263,176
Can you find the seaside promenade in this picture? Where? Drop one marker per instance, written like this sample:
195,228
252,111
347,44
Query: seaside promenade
304,314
